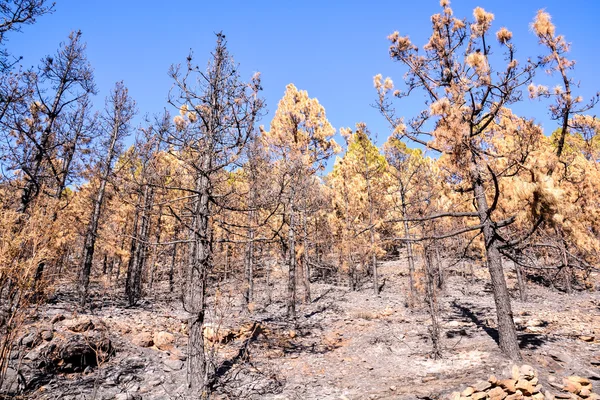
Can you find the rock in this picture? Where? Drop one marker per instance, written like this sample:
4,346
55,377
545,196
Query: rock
467,392
482,386
79,324
143,339
578,379
515,396
73,353
10,385
216,334
478,395
525,387
587,338
155,382
564,395
493,380
508,384
538,396
516,372
177,354
164,340
57,318
30,340
47,335
536,323
585,392
527,371
571,386
175,365
497,393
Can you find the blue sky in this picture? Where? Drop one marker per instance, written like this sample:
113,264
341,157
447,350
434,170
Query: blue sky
330,48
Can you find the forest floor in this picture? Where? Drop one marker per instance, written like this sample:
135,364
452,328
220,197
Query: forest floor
343,345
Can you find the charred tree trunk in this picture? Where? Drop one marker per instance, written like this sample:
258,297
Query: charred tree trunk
155,253
432,303
249,259
291,300
134,287
305,260
409,252
371,227
198,268
506,327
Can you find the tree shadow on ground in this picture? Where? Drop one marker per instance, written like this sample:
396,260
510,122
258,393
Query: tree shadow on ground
529,341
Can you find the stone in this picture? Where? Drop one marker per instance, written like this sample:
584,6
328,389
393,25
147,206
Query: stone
508,384
47,335
516,372
57,318
518,395
79,324
177,354
10,385
73,353
497,393
143,339
587,338
578,379
467,392
217,334
175,365
585,392
536,323
538,396
482,386
571,386
525,387
29,340
478,395
164,340
493,380
453,396
527,371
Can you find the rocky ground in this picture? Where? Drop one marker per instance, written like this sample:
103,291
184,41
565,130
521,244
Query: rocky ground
344,345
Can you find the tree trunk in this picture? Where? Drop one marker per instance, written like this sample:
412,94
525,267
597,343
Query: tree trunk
173,261
199,265
291,301
521,283
371,227
409,254
141,249
305,261
249,267
155,252
506,327
432,302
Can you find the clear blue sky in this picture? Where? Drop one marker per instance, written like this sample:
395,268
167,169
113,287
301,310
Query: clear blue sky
330,48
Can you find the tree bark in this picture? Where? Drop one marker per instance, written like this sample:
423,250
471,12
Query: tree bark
305,260
199,265
291,300
507,333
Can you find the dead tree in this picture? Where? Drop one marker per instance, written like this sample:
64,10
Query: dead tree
217,115
119,111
